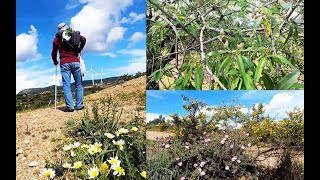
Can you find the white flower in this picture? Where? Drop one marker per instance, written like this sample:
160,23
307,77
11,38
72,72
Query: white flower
48,172
134,129
123,131
167,146
92,149
84,146
117,170
239,161
72,153
242,147
76,145
249,145
77,165
109,135
202,163
180,163
231,146
195,165
187,147
227,167
114,161
234,158
93,172
66,165
98,145
67,147
222,141
202,173
119,143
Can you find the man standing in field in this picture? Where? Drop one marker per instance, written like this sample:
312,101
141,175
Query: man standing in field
69,47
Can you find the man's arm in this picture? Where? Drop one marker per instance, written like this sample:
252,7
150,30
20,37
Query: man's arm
54,53
83,42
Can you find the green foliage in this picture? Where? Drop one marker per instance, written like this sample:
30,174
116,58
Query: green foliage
97,148
247,45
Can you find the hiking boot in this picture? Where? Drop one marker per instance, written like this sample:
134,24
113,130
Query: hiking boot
80,108
68,110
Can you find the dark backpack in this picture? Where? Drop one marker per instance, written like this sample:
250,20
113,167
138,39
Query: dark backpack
73,41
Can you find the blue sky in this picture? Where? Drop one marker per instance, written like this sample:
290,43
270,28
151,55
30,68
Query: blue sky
276,102
115,32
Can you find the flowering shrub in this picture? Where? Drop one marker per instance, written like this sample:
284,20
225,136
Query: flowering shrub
103,148
212,156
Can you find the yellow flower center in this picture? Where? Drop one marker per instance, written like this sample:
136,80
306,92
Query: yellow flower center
104,167
113,161
119,169
47,173
94,173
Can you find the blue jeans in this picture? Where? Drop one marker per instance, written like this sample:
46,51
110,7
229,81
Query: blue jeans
66,70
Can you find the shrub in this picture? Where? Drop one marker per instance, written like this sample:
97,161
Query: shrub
102,141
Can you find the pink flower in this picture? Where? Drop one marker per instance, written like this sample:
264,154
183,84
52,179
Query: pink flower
180,163
239,161
222,141
202,163
177,158
182,178
202,173
207,140
234,158
167,146
195,165
227,167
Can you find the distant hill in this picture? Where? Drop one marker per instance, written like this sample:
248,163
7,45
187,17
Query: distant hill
85,83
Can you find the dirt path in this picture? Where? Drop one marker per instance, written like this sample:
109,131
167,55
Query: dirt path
39,133
153,135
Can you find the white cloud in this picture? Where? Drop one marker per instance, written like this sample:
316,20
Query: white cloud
133,17
108,54
244,110
34,77
155,94
152,116
95,21
26,45
116,34
133,52
135,65
136,37
285,101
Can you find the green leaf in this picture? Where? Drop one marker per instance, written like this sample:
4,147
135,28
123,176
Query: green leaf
267,27
184,67
213,54
187,76
282,60
157,75
247,63
246,78
259,69
267,81
258,37
297,86
168,66
181,18
167,74
287,81
248,82
233,72
193,30
224,63
256,24
289,36
198,78
235,83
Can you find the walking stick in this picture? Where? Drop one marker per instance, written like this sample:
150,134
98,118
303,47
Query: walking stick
55,89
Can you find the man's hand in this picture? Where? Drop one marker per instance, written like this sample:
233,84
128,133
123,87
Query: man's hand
55,62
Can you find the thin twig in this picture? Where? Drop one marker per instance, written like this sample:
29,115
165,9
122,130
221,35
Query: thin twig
215,78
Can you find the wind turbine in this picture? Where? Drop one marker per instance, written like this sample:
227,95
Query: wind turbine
101,75
92,76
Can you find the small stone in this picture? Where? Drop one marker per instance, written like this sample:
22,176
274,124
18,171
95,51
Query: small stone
33,164
20,151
